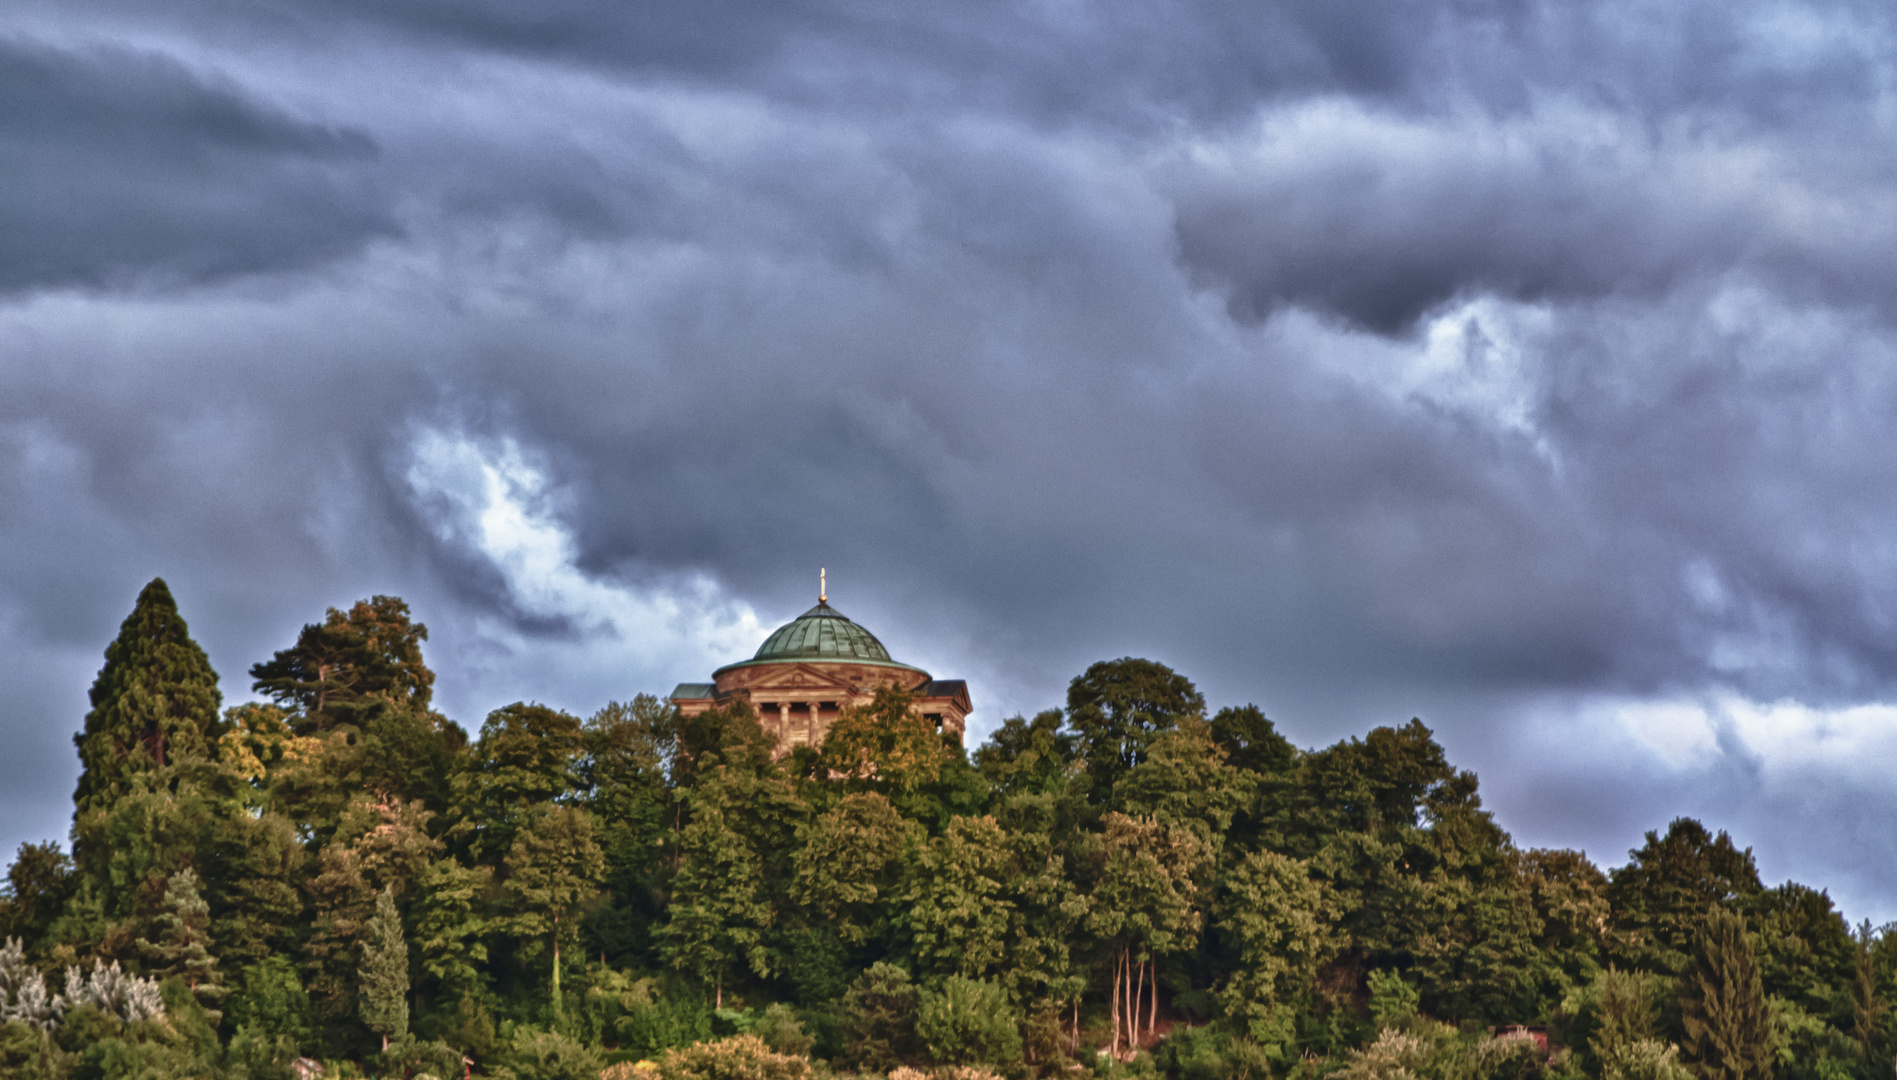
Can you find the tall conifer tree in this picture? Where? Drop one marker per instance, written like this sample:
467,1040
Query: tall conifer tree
384,972
1722,1001
183,947
154,703
154,725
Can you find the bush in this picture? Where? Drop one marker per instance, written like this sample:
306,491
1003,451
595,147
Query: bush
549,1055
782,1031
656,1026
741,1057
968,1022
879,1019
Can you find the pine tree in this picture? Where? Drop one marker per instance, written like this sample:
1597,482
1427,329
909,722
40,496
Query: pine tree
1728,1027
183,948
384,972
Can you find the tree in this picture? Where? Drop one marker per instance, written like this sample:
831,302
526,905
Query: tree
1029,756
154,708
553,868
383,973
623,772
38,884
1145,904
887,741
1116,707
1273,917
849,865
1722,1002
719,909
348,661
1667,886
879,1019
968,1022
526,755
450,927
183,949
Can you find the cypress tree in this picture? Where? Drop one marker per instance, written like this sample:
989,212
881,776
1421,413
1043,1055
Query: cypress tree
384,972
1728,1027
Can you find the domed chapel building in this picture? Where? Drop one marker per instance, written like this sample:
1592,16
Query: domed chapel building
805,673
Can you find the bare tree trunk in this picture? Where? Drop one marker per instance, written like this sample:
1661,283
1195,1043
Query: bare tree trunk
1114,1047
1152,1005
1139,991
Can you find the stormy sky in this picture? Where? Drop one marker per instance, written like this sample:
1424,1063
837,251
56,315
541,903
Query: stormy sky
1524,366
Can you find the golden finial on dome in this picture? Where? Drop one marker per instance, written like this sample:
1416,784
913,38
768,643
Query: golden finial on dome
822,588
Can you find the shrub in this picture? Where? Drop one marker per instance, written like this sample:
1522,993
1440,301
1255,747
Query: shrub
549,1055
879,1019
782,1031
968,1022
741,1057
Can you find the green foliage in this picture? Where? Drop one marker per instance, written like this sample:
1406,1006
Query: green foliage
968,1022
552,869
370,653
879,1019
1116,707
270,1002
183,948
782,1031
526,755
148,757
567,894
548,1055
1666,888
1276,922
38,884
383,974
1392,1001
1727,1022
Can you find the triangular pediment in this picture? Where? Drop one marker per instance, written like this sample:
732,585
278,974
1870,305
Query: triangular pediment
802,677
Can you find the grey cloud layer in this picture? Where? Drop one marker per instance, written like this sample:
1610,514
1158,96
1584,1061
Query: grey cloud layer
1359,359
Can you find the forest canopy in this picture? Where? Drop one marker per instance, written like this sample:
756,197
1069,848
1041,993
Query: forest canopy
336,877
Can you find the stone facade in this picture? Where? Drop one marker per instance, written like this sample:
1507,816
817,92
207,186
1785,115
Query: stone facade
810,669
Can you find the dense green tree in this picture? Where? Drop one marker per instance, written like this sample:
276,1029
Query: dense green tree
526,755
720,909
552,870
382,971
451,928
1666,888
880,1019
624,772
849,865
968,1022
887,741
1029,756
1723,1006
1186,781
38,885
149,743
1116,707
1277,923
348,662
155,701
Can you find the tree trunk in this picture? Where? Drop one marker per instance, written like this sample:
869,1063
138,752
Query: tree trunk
1139,991
1152,1005
1115,1048
556,963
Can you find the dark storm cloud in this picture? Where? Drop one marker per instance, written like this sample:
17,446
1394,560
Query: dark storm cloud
1042,326
120,167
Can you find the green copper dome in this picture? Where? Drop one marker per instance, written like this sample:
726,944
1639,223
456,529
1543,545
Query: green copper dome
822,633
